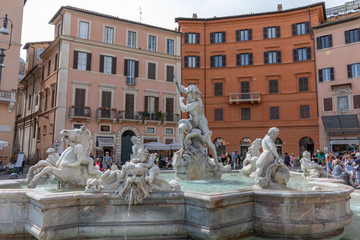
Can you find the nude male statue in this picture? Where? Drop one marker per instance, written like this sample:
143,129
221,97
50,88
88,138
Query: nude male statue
137,146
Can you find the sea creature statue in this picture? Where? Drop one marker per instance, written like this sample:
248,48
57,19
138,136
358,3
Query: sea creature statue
310,168
73,167
137,179
270,174
253,153
191,162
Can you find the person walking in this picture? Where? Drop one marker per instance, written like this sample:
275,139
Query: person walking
357,169
287,159
107,161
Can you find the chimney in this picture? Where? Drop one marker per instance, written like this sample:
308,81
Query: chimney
279,8
194,15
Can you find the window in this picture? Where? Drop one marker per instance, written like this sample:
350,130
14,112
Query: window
271,32
192,61
328,104
131,71
105,128
218,61
129,106
218,89
79,102
301,54
150,130
243,35
53,97
305,111
59,29
193,38
46,100
56,62
300,28
342,102
274,113
29,102
245,114
217,37
151,104
245,89
34,129
152,43
353,70
324,41
109,35
107,64
326,74
219,114
152,71
169,131
273,86
82,61
169,73
303,84
77,125
244,59
84,30
44,130
38,134
170,46
352,35
48,67
356,99
105,104
272,57
38,53
132,39
169,109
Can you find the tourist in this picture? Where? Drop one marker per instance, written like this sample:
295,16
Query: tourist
235,158
91,155
337,168
292,160
328,164
223,158
349,168
318,155
228,159
287,159
98,164
107,161
357,168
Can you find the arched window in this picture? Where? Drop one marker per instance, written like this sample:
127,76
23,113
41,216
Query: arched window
279,146
306,144
244,144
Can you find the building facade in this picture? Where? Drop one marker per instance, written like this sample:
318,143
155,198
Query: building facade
338,68
113,76
256,71
9,73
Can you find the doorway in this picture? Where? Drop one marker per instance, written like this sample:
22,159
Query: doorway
126,146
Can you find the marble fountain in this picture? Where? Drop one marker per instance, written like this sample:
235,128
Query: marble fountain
138,203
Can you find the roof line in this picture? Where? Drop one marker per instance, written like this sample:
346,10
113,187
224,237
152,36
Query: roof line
40,42
254,14
348,19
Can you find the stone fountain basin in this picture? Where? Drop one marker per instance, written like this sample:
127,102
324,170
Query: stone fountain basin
177,215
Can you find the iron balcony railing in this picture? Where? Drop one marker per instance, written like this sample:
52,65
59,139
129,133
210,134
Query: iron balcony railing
79,112
244,97
7,96
106,114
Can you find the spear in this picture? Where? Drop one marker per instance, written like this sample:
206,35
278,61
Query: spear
177,85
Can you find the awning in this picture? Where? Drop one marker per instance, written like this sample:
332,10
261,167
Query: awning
344,141
156,146
174,146
3,144
105,141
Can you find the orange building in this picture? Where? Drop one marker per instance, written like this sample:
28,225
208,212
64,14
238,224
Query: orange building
256,71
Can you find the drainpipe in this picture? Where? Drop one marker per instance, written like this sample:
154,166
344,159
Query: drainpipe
312,38
31,116
205,67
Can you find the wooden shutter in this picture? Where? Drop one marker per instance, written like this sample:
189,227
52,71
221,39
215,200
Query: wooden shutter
277,31
245,87
212,61
250,34
146,108
332,75
237,33
169,73
88,62
151,71
186,61
169,106
136,69
318,42
303,84
321,75
349,71
212,39
129,103
307,27
113,65
186,38
356,101
79,97
238,59
75,62
328,104
265,33
293,29
156,104
224,60
197,35
250,59
197,61
223,37
347,37
266,60
218,89
295,54
101,63
278,56
308,53
330,40
106,99
126,62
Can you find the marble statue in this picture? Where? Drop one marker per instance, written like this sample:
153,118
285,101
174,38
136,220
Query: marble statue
191,161
270,170
138,178
253,153
310,168
136,145
73,167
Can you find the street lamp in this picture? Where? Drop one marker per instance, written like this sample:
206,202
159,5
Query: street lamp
5,31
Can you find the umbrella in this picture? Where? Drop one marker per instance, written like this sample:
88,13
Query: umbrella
156,146
174,146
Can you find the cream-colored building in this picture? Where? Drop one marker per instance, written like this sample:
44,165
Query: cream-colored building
338,81
9,73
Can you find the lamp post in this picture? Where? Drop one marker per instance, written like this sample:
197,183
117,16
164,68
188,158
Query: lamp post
5,31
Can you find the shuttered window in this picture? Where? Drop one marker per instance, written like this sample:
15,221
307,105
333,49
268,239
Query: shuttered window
303,84
300,28
217,37
324,41
131,71
328,105
193,38
82,61
353,70
218,89
107,64
274,113
326,74
151,104
272,57
192,61
79,102
271,32
243,35
129,106
273,86
304,111
245,114
169,73
169,109
356,99
243,59
301,54
352,35
152,71
219,114
218,61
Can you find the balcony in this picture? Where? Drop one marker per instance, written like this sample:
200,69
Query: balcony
128,116
251,97
172,118
8,97
79,113
106,114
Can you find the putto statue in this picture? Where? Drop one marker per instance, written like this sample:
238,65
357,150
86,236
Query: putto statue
137,179
252,155
191,162
310,168
73,167
270,173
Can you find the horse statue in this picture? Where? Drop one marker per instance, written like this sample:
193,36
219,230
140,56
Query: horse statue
74,166
253,153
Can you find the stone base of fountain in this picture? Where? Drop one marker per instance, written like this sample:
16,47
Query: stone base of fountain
176,215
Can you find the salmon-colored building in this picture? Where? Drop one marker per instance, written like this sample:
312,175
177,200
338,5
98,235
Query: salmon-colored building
256,71
111,75
9,72
338,68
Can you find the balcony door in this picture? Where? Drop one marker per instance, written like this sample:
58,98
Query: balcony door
245,88
169,109
105,104
79,102
129,106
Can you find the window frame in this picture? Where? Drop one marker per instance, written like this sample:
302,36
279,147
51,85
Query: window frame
302,87
106,40
243,35
274,113
131,39
271,32
305,112
152,43
170,48
245,114
218,114
218,91
81,32
323,42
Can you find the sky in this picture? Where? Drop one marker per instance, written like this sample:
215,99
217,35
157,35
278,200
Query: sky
161,13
